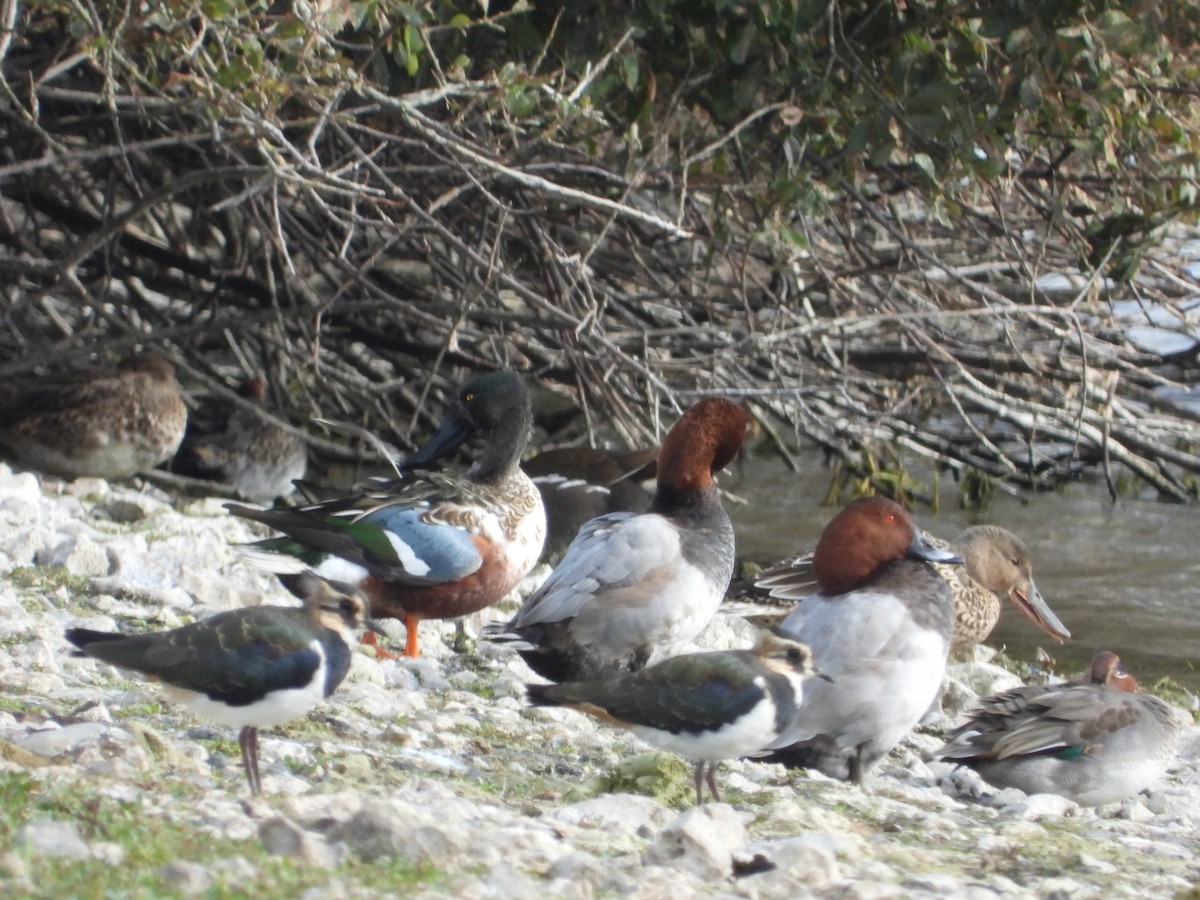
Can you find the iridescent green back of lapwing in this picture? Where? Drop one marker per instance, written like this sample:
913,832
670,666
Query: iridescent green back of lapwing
704,706
247,668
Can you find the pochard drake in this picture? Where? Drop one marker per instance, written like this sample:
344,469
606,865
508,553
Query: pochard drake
633,589
1093,741
880,628
431,544
257,458
101,423
579,483
704,706
997,568
249,668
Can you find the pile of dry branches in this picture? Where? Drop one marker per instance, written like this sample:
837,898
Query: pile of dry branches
365,250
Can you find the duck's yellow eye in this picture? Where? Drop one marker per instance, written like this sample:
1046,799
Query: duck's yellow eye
468,398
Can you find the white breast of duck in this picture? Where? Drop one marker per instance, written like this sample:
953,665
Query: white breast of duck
884,646
508,515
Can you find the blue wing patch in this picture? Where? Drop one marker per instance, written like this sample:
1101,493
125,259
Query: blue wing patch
407,549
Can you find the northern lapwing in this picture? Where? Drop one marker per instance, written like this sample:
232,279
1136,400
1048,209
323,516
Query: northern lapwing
247,668
706,707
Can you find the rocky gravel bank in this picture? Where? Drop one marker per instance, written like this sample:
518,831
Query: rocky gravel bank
432,778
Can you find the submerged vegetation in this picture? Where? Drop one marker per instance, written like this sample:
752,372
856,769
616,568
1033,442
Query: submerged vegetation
896,227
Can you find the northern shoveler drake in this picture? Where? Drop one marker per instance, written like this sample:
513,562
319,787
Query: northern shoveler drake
633,589
1093,741
704,706
257,458
247,668
997,568
580,483
100,423
879,628
431,544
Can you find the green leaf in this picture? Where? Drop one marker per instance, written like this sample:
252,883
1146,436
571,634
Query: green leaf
630,70
923,162
235,74
410,15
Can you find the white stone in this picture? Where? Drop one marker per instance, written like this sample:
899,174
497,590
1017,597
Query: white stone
281,837
387,829
1038,806
50,837
807,859
628,813
53,742
79,555
188,878
702,841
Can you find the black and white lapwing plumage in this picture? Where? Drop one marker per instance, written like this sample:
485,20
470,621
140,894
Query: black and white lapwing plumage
704,706
248,668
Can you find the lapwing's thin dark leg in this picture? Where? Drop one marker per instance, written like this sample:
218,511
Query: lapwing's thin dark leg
854,765
699,775
712,780
248,739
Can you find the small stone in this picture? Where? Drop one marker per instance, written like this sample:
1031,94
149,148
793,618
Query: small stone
803,858
1038,806
55,741
91,488
428,673
319,811
578,866
10,752
983,679
390,829
108,852
1092,864
78,555
356,767
188,878
282,837
1062,889
49,837
128,507
614,814
1135,810
702,841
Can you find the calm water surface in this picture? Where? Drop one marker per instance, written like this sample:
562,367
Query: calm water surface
1123,577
